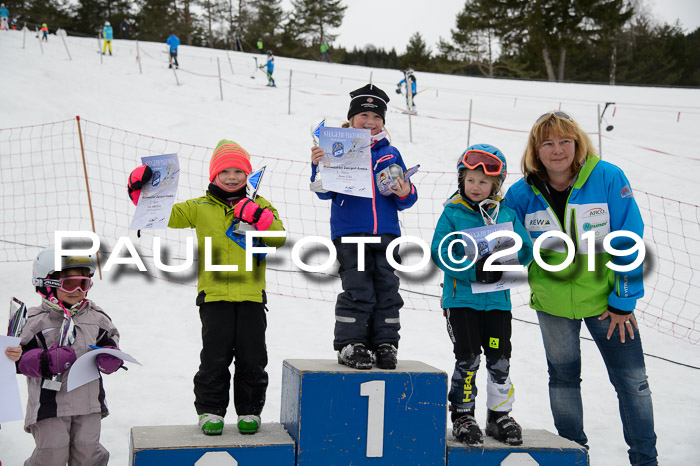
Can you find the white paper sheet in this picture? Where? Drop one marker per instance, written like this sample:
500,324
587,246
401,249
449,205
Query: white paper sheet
10,403
347,161
84,370
158,195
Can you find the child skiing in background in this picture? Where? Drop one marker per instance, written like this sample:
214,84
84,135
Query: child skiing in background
66,426
409,83
45,33
478,320
367,311
270,65
231,303
173,42
108,35
4,15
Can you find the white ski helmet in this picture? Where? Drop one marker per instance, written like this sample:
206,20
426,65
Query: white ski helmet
44,265
107,23
409,71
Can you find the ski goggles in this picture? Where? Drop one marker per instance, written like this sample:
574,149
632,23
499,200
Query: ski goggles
70,284
490,164
563,115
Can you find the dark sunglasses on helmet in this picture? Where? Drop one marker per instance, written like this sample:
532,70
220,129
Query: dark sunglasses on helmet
490,164
557,114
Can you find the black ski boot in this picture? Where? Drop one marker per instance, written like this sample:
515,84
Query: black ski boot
466,429
385,356
502,427
355,355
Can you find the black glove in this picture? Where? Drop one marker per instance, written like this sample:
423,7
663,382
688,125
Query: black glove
398,90
483,276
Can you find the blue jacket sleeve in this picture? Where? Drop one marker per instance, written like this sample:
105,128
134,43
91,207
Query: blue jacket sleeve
324,196
624,216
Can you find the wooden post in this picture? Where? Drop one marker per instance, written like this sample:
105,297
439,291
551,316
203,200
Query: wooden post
138,57
600,135
289,96
469,129
221,87
87,187
63,33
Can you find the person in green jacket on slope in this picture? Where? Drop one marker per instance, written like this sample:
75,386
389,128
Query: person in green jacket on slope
231,303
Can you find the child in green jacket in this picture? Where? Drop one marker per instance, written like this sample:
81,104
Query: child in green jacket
231,303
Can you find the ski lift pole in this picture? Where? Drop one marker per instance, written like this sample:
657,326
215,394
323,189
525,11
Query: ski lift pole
63,38
600,135
221,87
229,62
41,46
24,36
410,128
176,80
98,50
469,128
289,95
138,57
370,77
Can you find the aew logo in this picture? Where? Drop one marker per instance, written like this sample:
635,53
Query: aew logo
540,222
338,149
156,178
595,212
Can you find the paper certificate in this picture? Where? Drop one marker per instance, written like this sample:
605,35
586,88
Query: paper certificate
158,195
84,370
510,279
10,403
347,161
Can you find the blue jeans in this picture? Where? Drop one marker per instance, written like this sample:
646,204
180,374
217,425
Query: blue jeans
626,370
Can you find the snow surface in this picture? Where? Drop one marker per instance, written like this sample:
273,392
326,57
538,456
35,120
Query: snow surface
158,320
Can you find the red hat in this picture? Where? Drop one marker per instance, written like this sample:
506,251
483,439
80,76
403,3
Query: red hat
228,154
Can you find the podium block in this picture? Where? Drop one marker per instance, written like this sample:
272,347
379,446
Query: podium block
187,445
539,448
338,415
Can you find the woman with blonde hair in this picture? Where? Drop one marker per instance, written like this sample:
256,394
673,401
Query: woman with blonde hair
570,197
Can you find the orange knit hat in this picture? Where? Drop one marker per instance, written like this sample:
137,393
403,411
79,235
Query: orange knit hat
228,154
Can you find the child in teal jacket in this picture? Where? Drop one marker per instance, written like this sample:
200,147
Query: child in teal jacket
476,320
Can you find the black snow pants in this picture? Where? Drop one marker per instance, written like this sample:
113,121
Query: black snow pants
367,311
232,330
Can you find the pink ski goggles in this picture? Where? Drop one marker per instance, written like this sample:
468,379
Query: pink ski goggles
70,284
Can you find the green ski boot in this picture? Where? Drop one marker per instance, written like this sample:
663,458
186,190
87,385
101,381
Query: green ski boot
211,424
248,424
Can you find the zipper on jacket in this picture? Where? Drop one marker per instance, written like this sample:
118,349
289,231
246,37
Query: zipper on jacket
374,193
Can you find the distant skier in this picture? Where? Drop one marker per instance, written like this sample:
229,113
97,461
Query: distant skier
270,65
174,43
260,46
108,35
409,81
325,56
4,15
124,29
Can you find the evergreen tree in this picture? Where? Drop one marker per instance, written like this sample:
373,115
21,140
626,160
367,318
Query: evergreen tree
316,17
266,22
417,54
155,20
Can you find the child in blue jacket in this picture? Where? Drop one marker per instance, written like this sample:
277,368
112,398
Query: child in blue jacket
476,320
173,42
367,311
270,66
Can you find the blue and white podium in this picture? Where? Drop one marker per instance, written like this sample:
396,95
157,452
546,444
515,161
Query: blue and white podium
187,446
539,448
338,415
